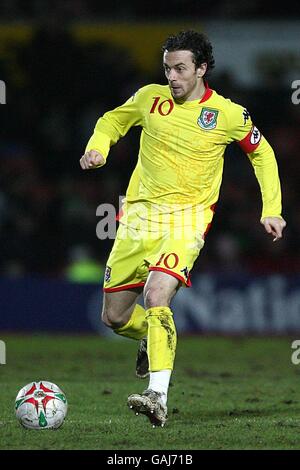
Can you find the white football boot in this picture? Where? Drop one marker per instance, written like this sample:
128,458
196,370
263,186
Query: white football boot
150,404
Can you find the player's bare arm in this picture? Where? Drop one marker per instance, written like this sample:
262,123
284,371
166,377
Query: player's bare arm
92,159
274,226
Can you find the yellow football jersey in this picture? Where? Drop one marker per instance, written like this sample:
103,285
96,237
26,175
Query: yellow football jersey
182,145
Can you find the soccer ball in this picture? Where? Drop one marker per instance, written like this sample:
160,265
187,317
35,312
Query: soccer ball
41,405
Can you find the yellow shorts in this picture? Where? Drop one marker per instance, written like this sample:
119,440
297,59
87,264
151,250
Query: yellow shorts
134,254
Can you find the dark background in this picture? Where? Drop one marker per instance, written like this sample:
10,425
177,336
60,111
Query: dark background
58,86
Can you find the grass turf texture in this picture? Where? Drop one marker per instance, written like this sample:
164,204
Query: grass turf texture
226,393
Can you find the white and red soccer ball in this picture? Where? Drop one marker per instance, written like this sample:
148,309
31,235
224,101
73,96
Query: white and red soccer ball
41,405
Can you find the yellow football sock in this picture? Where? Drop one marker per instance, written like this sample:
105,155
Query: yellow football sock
137,326
162,338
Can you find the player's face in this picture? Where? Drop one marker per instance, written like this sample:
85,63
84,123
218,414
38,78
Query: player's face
185,80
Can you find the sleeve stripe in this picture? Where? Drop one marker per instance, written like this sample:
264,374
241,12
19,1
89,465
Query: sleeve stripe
250,143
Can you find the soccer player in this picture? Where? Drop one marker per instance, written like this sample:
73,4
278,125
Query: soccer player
170,201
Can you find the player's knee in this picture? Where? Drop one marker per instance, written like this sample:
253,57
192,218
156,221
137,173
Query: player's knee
104,318
154,296
111,319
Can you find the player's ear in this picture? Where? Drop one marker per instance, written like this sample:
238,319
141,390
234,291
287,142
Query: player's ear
201,70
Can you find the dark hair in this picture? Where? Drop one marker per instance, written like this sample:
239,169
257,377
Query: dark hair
195,42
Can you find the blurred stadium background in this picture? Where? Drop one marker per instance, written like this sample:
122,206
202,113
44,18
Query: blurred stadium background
64,64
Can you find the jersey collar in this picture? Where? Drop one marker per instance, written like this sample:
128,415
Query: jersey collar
207,94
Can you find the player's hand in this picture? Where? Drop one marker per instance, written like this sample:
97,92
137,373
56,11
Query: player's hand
274,226
92,159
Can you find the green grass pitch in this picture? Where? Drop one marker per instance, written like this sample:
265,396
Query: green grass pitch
226,393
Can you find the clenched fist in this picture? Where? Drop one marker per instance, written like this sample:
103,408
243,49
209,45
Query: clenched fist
92,159
274,226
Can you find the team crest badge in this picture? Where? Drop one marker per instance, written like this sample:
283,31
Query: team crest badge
208,118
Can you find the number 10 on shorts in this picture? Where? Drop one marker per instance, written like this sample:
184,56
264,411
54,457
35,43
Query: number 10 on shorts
169,260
